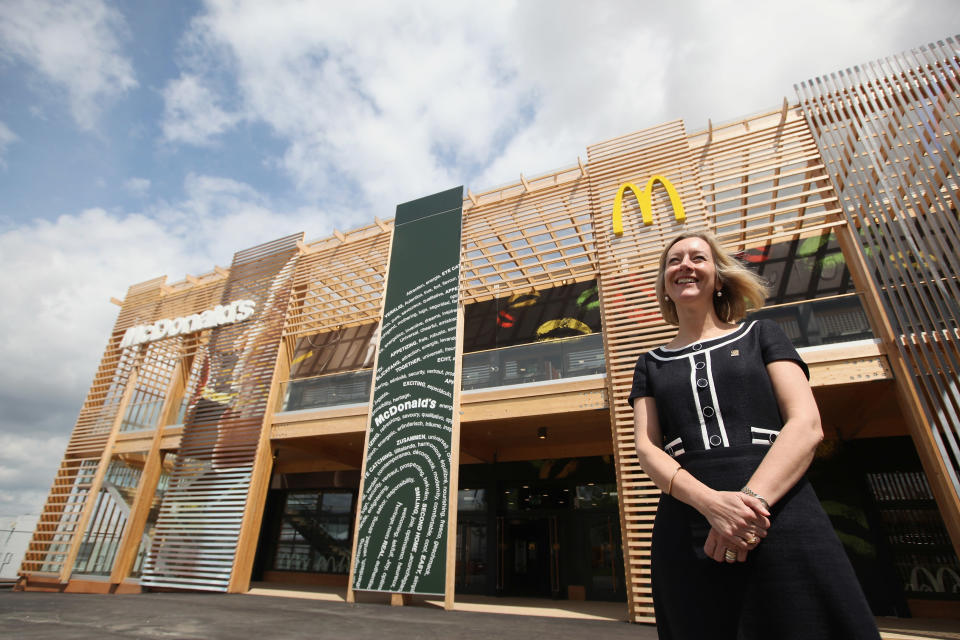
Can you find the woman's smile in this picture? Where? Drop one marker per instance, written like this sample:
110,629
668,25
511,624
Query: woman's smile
690,270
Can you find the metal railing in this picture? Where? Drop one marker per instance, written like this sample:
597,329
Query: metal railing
331,390
537,362
824,321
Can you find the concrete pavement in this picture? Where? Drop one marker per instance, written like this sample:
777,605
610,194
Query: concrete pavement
188,616
31,615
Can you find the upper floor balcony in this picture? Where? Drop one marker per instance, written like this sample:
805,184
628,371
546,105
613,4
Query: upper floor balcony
536,362
808,324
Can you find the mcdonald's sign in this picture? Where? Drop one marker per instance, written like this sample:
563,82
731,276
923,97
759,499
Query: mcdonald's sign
645,200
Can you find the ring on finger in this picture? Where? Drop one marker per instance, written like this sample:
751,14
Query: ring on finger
730,555
752,539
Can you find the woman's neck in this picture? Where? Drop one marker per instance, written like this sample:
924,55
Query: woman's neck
695,325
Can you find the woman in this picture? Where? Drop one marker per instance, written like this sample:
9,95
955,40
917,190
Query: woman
726,426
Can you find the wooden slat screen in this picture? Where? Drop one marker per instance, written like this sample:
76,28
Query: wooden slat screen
109,518
890,133
58,520
156,367
528,240
766,183
632,322
339,282
197,532
145,302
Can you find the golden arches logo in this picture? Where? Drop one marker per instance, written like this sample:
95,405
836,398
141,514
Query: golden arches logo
645,200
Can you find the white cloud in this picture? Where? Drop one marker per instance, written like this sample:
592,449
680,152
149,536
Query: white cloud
192,114
54,322
56,315
390,101
137,186
7,137
376,99
74,45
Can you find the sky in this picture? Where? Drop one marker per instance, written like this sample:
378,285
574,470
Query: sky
139,139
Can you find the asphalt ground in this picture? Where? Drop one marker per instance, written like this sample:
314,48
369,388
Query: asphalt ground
30,615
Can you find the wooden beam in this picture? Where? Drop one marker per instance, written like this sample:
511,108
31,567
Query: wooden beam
546,404
326,451
451,569
147,487
850,371
259,484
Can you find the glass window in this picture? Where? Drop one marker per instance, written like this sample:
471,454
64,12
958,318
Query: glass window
344,349
315,532
109,517
531,497
596,496
472,500
532,316
471,567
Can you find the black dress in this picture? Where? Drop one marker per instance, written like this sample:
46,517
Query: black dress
719,416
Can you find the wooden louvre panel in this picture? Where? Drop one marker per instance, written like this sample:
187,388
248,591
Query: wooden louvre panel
527,240
57,526
339,282
199,525
145,302
889,131
764,182
632,322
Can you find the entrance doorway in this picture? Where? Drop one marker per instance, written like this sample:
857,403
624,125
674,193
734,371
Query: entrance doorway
528,562
540,529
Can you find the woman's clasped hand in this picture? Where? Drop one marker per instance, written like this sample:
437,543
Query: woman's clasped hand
738,523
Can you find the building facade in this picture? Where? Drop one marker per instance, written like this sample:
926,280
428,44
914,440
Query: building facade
223,436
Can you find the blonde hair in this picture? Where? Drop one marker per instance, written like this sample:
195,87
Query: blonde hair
741,288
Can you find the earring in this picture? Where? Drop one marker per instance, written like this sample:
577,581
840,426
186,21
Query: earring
719,293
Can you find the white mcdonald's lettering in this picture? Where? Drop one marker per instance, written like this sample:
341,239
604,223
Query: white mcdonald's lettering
645,200
222,314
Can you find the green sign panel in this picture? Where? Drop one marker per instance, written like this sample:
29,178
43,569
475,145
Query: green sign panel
402,533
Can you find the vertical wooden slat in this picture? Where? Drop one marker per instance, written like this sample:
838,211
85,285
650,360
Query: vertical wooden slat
454,489
627,266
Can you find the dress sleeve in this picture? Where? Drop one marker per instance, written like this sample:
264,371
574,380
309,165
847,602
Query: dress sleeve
775,345
640,387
